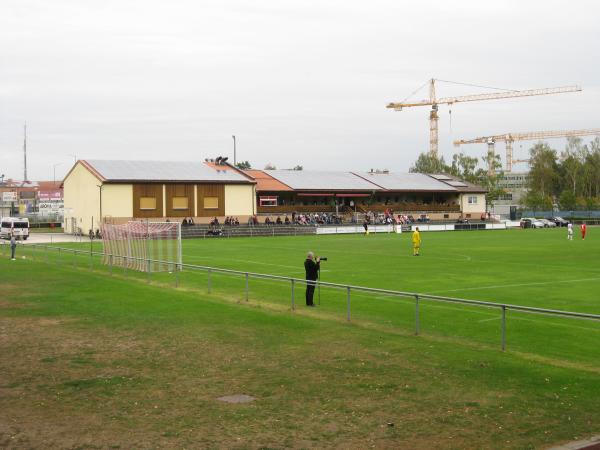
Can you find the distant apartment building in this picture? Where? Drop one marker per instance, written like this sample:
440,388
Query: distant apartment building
515,187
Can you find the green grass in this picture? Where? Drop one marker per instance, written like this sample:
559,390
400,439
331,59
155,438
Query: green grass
149,360
524,267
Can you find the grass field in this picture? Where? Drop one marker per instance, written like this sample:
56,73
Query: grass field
145,363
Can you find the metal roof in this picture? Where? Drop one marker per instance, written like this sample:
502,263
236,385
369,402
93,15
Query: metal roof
151,171
406,182
321,180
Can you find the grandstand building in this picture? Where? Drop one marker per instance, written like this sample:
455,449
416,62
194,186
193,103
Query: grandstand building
439,196
119,191
98,191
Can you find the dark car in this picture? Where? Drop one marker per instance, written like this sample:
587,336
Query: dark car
559,221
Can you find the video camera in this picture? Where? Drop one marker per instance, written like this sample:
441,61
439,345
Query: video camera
323,258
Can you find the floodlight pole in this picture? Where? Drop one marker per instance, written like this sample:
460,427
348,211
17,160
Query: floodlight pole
234,150
100,187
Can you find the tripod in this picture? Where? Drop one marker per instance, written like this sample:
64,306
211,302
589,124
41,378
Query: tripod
319,283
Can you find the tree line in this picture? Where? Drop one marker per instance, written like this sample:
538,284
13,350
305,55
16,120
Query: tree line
569,179
466,168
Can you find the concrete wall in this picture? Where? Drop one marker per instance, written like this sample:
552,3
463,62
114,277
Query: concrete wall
472,209
82,199
240,200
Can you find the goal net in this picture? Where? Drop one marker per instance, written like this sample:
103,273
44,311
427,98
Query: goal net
141,245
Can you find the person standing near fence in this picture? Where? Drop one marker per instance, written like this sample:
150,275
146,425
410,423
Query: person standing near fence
13,246
312,273
583,230
416,241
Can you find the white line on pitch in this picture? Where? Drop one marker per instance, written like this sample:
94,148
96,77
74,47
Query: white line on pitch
500,286
252,262
487,320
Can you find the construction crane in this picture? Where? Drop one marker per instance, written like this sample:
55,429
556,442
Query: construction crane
434,102
510,138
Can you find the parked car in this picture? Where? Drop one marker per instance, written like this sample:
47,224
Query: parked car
531,222
560,222
548,223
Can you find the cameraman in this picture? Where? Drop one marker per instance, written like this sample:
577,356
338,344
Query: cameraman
312,273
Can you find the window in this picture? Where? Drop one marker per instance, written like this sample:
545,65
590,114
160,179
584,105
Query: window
268,201
211,202
472,200
180,203
147,203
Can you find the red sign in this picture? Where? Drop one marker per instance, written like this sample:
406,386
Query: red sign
50,195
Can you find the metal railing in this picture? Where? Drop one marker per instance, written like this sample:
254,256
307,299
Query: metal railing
176,268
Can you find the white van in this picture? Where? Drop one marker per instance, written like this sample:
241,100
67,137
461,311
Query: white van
19,226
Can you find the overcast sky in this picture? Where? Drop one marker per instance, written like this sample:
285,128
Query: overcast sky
298,82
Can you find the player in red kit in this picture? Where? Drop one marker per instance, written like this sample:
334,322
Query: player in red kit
583,230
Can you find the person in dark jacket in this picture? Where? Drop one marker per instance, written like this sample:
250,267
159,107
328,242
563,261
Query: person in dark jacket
13,248
312,273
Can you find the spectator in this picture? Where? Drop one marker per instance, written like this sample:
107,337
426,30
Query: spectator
13,246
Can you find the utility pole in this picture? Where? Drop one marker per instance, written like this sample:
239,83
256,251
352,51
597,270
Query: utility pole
234,151
25,152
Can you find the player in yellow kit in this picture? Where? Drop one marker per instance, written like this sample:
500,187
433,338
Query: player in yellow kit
416,241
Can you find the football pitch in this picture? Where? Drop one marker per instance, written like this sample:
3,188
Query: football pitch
106,359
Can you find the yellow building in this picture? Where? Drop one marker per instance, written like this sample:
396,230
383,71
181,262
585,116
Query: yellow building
118,191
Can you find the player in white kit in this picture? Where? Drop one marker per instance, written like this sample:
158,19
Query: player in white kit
570,231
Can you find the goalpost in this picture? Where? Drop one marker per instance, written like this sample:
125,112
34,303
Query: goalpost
138,245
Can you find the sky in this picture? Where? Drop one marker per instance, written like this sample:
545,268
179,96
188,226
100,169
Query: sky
297,82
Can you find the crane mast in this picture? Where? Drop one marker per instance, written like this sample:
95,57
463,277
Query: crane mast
434,102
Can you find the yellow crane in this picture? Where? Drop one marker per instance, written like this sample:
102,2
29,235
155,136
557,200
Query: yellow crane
510,138
434,102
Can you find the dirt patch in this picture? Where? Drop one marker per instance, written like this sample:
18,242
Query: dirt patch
237,398
10,305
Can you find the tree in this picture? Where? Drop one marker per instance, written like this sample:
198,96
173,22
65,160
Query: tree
567,200
270,166
543,175
537,201
463,167
427,163
572,162
243,165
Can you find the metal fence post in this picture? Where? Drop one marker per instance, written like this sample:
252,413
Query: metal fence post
293,305
91,260
246,286
209,281
348,302
417,322
503,327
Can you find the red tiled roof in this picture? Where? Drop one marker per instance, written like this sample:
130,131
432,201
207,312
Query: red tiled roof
265,182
